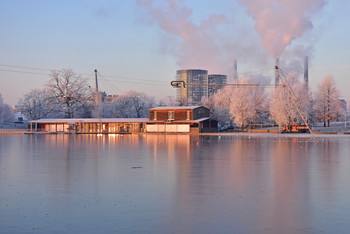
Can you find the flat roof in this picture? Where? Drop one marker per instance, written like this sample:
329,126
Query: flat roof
115,120
93,120
178,121
176,107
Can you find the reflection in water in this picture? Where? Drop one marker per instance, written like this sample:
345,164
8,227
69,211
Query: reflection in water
173,183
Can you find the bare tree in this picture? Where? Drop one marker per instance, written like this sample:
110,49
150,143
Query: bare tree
71,92
37,104
327,106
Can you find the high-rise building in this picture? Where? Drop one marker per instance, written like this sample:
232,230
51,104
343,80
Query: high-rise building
196,86
215,82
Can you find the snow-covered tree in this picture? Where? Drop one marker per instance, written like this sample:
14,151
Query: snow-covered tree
242,104
246,102
168,101
37,104
327,105
104,110
6,112
285,102
71,93
132,104
218,105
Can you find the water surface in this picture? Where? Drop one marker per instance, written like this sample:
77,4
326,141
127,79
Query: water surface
174,184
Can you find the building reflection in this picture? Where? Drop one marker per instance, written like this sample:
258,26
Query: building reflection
260,184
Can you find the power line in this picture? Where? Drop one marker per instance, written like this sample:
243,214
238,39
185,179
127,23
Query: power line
36,73
144,81
25,72
136,82
131,78
39,69
31,68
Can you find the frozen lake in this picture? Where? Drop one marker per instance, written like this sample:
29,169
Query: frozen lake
174,184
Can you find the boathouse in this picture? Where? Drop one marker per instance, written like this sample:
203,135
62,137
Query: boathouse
184,119
193,119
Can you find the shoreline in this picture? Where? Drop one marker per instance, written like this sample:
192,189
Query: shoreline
238,134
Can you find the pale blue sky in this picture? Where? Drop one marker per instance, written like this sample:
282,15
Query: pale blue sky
131,52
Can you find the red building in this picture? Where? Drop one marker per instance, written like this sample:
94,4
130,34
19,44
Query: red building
194,119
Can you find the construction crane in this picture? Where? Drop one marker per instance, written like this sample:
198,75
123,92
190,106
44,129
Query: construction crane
286,85
182,84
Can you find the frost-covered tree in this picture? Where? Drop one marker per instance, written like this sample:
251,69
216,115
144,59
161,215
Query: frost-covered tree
242,104
167,101
327,105
6,112
37,104
218,105
71,93
132,104
246,102
104,110
285,102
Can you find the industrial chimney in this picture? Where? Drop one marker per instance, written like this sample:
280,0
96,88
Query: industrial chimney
306,71
277,79
235,75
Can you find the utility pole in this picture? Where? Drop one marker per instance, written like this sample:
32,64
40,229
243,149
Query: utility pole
97,96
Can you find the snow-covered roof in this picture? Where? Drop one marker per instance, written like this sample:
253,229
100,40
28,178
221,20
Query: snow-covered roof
114,120
92,120
179,121
175,107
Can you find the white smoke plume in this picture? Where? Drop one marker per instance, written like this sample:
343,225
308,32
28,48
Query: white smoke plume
279,22
213,43
198,47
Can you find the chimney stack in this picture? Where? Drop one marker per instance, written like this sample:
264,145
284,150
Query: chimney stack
277,79
306,71
235,75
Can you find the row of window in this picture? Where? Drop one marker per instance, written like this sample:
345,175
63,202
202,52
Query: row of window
171,115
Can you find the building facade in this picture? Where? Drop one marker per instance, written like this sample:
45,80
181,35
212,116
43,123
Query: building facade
191,119
99,98
196,86
216,82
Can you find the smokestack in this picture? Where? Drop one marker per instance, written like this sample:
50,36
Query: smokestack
306,71
277,79
235,75
96,83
